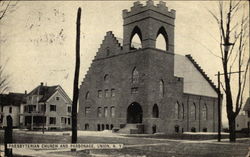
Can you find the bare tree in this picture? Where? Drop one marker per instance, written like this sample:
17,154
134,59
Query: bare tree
233,23
6,7
4,80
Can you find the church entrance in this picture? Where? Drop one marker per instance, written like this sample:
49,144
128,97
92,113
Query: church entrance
134,113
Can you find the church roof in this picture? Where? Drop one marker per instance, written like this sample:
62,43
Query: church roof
247,105
196,81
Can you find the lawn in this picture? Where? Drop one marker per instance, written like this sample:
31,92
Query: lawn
142,146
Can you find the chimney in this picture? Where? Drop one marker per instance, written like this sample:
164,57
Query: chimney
41,83
25,92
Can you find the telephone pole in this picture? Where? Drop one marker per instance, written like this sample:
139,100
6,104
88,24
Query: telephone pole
219,103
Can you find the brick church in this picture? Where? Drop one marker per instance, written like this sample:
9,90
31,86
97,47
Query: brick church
146,90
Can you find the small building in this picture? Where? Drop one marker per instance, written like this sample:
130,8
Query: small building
244,120
11,104
47,107
144,89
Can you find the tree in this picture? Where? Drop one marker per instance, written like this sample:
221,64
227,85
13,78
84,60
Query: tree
76,78
233,24
4,80
5,8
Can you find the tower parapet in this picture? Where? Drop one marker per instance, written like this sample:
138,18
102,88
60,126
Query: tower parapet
159,8
148,21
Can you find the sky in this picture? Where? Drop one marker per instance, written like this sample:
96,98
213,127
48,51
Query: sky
38,39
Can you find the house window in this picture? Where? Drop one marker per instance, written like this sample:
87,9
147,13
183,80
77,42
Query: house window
99,93
105,111
155,111
112,92
135,76
112,111
106,93
193,112
69,109
248,113
204,112
43,108
161,89
68,121
62,119
52,107
99,112
134,90
57,98
10,110
87,110
52,120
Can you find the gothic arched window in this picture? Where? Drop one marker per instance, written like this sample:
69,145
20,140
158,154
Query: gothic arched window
181,111
193,111
135,76
162,39
155,111
176,110
136,38
204,112
87,95
161,89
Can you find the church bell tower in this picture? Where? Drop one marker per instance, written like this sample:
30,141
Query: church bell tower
148,22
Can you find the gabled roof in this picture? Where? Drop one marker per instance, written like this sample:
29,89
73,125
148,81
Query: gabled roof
45,91
197,66
247,105
195,80
15,99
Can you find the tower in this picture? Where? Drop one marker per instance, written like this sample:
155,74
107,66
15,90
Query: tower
148,22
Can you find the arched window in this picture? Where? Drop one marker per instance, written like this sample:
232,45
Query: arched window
161,90
176,110
107,51
106,78
181,111
112,111
136,38
135,76
204,112
155,111
193,111
162,39
87,95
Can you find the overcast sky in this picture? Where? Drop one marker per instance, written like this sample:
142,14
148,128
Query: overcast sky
38,38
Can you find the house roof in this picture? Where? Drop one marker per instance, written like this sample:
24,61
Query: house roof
45,91
247,105
12,99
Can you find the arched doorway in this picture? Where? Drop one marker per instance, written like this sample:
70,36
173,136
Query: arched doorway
134,113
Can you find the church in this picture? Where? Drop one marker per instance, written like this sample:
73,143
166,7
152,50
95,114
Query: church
146,90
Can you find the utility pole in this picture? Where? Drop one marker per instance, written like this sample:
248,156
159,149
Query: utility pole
219,109
219,103
76,78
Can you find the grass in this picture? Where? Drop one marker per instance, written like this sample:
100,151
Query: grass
141,146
